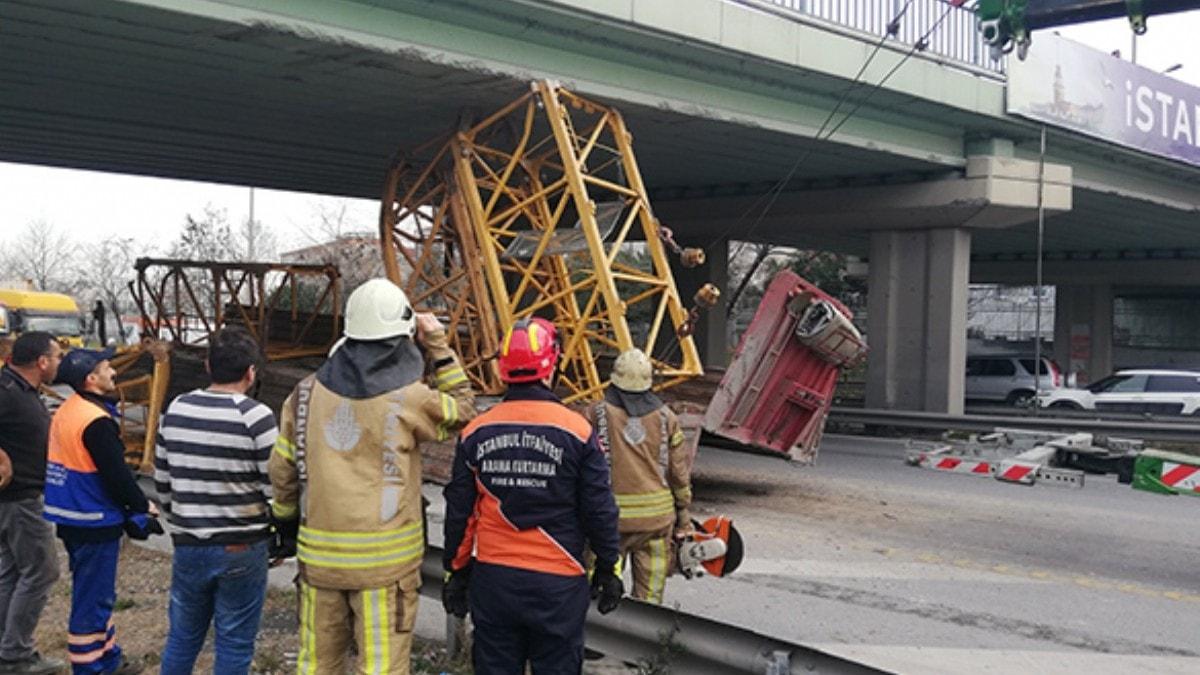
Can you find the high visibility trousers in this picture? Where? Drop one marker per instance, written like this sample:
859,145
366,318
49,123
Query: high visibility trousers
91,636
377,623
649,554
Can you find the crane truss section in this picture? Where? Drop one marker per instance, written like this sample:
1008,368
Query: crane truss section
538,209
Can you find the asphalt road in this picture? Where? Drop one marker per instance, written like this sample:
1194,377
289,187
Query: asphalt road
919,571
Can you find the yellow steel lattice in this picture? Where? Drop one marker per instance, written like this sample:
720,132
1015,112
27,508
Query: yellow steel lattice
538,209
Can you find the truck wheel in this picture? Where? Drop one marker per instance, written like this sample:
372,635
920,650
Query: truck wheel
1065,405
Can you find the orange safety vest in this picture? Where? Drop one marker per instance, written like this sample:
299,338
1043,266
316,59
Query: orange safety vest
75,495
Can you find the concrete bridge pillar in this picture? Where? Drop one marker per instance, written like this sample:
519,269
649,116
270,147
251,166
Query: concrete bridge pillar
710,336
1083,330
917,319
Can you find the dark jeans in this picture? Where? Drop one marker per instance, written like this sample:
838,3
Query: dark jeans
28,569
222,585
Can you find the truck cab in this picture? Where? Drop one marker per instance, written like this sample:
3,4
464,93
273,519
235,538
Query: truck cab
55,313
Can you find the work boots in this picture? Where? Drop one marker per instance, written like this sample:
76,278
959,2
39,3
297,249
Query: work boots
33,665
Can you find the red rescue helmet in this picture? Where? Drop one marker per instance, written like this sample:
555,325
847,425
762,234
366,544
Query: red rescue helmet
530,351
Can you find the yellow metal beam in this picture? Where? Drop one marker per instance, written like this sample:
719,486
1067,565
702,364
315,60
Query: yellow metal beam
510,205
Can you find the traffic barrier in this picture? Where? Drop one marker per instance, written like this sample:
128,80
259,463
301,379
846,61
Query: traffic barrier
941,459
1024,467
1170,473
1009,455
1157,430
1018,472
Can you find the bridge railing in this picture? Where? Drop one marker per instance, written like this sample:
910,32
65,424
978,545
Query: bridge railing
956,37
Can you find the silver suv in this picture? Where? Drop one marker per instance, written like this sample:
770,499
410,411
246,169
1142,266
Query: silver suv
1009,379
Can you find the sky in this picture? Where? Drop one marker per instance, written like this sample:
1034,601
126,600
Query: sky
153,210
1165,44
92,205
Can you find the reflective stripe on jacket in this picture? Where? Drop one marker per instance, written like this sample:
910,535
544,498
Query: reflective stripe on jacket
360,550
75,495
650,475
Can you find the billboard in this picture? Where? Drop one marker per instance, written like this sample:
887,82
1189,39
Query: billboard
1069,85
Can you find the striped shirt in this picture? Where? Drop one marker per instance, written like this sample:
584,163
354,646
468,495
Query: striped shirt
210,467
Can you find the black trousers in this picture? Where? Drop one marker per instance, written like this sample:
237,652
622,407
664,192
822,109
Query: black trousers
522,616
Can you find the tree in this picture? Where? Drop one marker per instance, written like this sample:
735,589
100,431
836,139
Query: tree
337,239
42,254
254,241
103,271
823,269
205,239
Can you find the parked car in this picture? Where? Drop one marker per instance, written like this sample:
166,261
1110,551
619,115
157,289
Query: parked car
1009,379
1159,392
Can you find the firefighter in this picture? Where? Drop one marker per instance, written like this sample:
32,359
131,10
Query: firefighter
528,491
346,473
650,473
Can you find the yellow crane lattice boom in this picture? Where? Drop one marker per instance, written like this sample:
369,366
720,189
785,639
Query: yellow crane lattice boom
538,210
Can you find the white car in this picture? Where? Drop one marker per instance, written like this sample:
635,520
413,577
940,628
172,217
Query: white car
1158,392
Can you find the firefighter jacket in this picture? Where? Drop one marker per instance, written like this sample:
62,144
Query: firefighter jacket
89,490
529,489
650,472
351,469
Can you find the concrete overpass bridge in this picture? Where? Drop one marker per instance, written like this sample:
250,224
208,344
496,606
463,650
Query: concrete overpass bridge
930,178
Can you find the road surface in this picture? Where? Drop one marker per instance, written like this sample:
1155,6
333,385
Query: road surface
921,571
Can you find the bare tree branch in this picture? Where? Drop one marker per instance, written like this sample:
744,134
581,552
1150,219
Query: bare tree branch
42,255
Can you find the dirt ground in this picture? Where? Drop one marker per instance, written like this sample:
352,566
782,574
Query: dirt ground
143,587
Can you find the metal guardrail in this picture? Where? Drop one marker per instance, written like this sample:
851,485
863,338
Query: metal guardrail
1071,413
956,38
641,632
906,419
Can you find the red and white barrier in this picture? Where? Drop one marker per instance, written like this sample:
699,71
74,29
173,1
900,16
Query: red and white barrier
1183,477
987,459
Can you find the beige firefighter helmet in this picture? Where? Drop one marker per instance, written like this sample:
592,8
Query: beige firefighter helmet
632,371
379,310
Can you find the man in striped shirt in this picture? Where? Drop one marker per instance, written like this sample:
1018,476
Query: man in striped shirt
210,470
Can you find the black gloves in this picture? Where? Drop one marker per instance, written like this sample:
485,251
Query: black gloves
141,525
283,538
607,587
454,591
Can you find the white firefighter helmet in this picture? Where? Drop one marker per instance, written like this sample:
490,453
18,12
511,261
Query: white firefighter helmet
632,371
378,310
715,547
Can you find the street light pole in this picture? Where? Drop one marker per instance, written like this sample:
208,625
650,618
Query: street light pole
1041,237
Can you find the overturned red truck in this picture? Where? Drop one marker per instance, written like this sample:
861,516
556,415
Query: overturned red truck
779,387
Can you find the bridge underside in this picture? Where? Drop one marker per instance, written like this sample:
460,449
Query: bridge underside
116,87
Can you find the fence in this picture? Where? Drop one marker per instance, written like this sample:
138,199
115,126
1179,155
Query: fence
956,37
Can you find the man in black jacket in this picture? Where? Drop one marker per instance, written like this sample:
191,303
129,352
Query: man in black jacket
28,563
